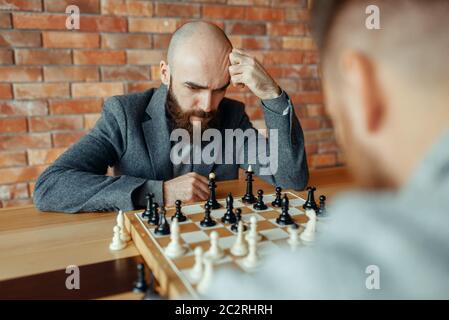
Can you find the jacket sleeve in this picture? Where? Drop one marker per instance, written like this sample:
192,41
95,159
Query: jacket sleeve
76,181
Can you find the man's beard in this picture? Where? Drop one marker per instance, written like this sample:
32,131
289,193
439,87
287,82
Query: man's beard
181,119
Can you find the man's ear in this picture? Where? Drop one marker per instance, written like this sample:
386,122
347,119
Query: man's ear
360,77
165,73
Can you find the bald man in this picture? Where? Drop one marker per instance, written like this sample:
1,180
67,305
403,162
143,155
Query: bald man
387,92
149,138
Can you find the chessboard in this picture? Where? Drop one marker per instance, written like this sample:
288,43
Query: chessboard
173,274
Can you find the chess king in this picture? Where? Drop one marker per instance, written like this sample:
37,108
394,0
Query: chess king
133,134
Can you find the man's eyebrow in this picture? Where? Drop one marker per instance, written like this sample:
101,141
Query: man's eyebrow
198,86
224,87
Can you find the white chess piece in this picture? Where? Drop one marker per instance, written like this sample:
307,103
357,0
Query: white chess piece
197,271
239,248
124,235
117,243
206,280
252,234
251,260
174,248
250,169
308,235
214,252
293,241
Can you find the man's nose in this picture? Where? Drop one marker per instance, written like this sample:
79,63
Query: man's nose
206,102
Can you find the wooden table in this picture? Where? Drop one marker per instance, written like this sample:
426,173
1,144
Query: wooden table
36,247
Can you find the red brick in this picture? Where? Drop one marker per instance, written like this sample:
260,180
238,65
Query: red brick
44,124
310,123
315,110
43,156
289,85
127,7
24,141
38,21
145,57
249,2
155,72
6,56
261,43
5,20
328,147
40,57
41,90
69,39
85,6
14,191
309,85
141,86
246,28
311,57
75,106
15,203
72,73
23,108
31,187
22,5
20,74
223,12
98,57
323,160
103,23
5,91
13,125
311,148
12,159
297,15
319,135
66,139
283,57
127,73
291,3
264,14
153,25
25,174
181,21
307,97
90,120
98,89
177,10
20,39
286,29
298,43
126,41
161,41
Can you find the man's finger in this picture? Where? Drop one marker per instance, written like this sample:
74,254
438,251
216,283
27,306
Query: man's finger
241,52
236,69
200,177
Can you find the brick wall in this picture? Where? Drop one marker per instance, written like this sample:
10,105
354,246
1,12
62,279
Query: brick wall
53,81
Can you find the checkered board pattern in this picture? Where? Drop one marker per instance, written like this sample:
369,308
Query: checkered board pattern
192,234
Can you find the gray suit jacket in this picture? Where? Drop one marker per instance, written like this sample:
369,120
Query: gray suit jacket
133,137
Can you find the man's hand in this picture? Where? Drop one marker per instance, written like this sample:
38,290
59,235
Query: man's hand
190,187
245,70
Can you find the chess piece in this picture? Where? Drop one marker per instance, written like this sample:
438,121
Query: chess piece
214,252
178,214
117,243
197,271
260,205
293,240
212,201
151,293
238,218
285,218
249,196
310,203
322,210
163,228
147,213
124,234
207,221
308,235
140,285
206,280
239,248
251,260
278,201
174,248
252,234
154,215
229,216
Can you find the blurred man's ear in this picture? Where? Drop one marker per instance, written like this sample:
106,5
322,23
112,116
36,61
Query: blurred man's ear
365,97
165,73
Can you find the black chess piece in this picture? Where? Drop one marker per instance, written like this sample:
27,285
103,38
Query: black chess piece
310,203
150,293
178,214
322,209
238,216
154,216
260,205
147,213
278,201
229,216
249,196
284,218
207,221
163,228
140,285
212,201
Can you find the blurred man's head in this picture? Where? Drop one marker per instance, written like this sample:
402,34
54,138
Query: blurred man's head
386,90
196,73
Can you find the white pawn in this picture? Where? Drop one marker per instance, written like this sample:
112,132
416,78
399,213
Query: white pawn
124,235
308,235
251,260
214,252
174,248
206,280
239,248
252,234
117,243
293,241
197,271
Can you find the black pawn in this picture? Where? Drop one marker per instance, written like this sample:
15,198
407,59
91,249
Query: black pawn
150,293
260,205
207,221
163,228
322,210
284,218
249,196
238,216
140,285
178,214
310,203
212,201
229,216
154,216
278,201
147,212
